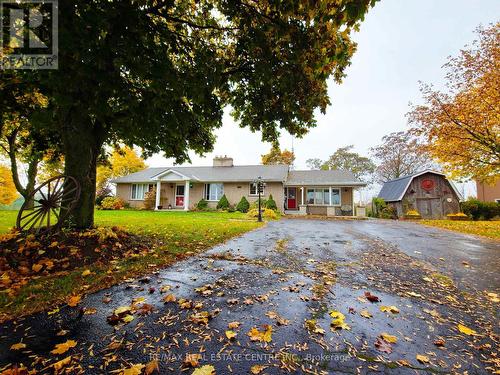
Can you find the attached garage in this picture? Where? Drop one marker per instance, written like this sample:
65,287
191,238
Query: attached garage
428,192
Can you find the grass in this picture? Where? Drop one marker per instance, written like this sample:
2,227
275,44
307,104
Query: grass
177,234
490,229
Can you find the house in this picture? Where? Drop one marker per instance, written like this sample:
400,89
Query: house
304,192
488,192
428,192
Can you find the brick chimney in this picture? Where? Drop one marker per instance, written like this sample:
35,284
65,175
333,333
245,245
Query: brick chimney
223,161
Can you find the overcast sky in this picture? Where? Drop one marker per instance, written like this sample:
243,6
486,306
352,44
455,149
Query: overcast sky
399,43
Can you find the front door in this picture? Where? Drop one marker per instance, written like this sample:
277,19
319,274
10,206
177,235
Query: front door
179,195
291,198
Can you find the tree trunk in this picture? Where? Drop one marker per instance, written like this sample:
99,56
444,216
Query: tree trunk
82,141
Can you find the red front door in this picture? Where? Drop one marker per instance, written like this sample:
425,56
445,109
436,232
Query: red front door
291,198
179,195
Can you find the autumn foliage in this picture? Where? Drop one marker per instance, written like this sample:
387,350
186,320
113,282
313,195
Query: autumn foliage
8,193
462,125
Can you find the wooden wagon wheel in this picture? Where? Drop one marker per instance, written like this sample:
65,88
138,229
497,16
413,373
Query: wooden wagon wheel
54,199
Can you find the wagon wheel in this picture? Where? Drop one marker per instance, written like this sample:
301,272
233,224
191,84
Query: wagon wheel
53,201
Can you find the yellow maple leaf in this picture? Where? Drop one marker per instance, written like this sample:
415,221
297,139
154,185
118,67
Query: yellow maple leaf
389,338
133,370
64,347
230,334
365,314
204,370
466,330
128,318
392,309
74,300
257,369
233,325
18,346
337,315
121,310
86,273
422,358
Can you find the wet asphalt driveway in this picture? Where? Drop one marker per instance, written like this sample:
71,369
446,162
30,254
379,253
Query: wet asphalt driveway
284,280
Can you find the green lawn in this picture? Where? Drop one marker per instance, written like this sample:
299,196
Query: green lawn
490,229
174,233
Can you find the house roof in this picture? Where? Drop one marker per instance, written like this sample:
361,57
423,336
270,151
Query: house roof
320,177
394,190
211,174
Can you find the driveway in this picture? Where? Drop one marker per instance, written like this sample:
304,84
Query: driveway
273,289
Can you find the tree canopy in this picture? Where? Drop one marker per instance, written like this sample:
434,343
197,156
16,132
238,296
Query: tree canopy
8,193
158,74
345,159
400,154
121,162
461,126
276,156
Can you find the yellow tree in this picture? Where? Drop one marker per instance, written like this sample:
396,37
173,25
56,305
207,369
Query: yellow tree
8,192
461,127
122,162
276,156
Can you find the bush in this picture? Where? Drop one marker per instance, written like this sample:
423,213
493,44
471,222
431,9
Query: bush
388,212
271,204
223,203
202,205
150,199
378,204
112,203
243,205
478,210
256,203
267,214
101,194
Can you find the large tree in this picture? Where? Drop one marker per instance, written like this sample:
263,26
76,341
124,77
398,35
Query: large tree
8,193
158,74
461,126
400,154
345,159
276,156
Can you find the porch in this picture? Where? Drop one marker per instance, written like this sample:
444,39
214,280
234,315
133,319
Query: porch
319,200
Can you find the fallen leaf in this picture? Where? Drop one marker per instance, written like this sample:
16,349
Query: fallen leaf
233,325
63,347
18,346
413,294
37,267
169,298
493,297
365,314
122,310
372,298
74,300
151,367
466,330
338,320
422,358
230,334
389,338
262,336
58,366
383,345
89,310
86,273
133,370
439,342
257,369
192,359
313,327
204,370
428,279
128,318
392,309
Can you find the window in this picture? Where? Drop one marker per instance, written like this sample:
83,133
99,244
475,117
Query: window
214,192
322,196
253,189
139,190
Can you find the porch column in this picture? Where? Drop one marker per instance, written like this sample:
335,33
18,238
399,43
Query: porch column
302,189
330,196
158,191
352,199
186,196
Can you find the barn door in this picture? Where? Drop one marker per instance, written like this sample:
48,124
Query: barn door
430,208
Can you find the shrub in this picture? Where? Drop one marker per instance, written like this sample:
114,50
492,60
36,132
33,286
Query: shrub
267,214
150,199
256,203
202,205
378,204
112,203
101,194
412,213
388,212
478,210
271,204
223,203
243,205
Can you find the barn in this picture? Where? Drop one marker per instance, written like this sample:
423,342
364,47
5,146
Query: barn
428,192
